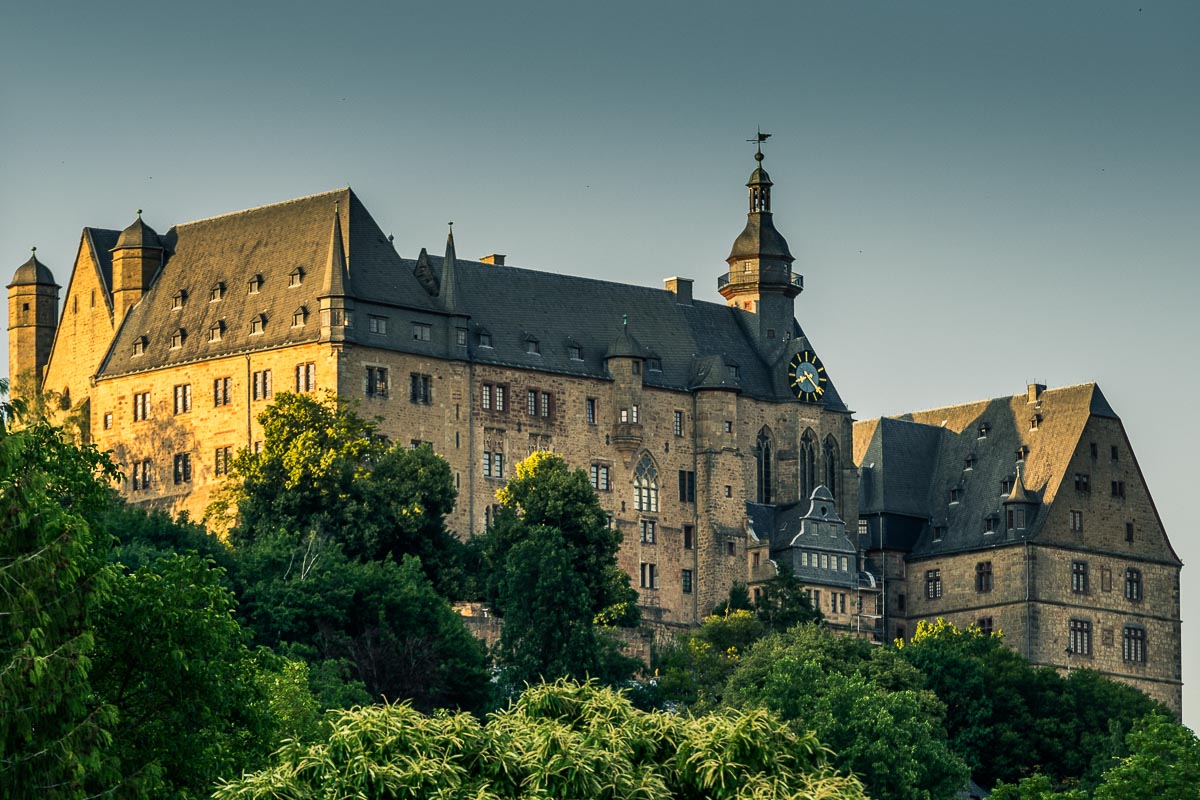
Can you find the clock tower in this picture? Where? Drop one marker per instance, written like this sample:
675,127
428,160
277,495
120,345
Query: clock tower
760,278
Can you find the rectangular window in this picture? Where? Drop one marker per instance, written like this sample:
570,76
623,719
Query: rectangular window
863,528
933,584
108,420
633,414
531,402
833,604
1133,585
1129,531
222,460
983,577
689,537
420,389
599,476
547,404
500,396
756,559
649,576
678,423
624,415
376,382
420,332
485,396
687,486
1115,453
141,475
1076,522
686,581
183,398
487,464
183,468
842,602
845,562
1080,643
306,377
590,410
1079,577
727,426
460,337
262,385
901,602
1118,489
377,325
222,391
1133,646
989,524
1082,482
985,626
141,406
648,531
1105,579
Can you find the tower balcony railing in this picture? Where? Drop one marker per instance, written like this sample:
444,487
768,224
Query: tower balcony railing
747,277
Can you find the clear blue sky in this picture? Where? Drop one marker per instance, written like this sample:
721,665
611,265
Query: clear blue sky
993,192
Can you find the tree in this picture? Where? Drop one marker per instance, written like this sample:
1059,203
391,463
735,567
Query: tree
694,668
52,573
783,603
865,703
323,468
556,741
547,494
1163,763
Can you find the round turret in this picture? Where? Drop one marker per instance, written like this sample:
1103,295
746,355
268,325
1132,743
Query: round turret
33,273
139,235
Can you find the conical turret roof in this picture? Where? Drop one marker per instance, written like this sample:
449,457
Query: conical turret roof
139,235
32,273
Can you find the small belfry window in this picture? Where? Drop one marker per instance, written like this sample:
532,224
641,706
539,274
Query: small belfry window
216,293
645,486
258,324
299,317
295,277
255,284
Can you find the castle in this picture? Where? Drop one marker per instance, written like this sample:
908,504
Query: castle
714,435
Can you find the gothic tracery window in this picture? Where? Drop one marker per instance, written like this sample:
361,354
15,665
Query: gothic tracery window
831,465
645,485
808,464
762,457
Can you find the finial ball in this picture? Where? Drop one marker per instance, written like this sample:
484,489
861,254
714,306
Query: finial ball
758,156
33,249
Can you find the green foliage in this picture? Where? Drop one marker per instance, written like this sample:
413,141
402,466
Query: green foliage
171,658
694,668
377,622
1006,718
52,572
143,536
1035,787
1163,763
556,741
323,468
783,603
866,704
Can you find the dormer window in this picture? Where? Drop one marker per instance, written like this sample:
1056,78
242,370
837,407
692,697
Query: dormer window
139,345
969,462
1022,451
1006,486
1035,422
984,427
178,300
989,524
258,324
485,339
533,347
299,317
256,284
177,338
735,371
217,331
295,278
217,293
939,531
575,352
955,493
654,364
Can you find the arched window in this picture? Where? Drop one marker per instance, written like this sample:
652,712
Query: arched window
808,464
645,485
762,457
831,465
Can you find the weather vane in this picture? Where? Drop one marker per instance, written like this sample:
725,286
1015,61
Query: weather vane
757,141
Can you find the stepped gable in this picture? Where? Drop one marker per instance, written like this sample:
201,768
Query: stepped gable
1062,413
270,241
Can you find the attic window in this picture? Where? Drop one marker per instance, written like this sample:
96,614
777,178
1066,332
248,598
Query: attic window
984,427
1035,422
295,277
216,293
258,324
216,331
654,364
178,300
939,531
255,284
532,346
485,339
575,352
735,371
299,317
177,338
989,523
1006,485
139,345
969,462
955,492
1022,451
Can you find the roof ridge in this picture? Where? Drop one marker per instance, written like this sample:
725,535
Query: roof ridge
1092,384
264,206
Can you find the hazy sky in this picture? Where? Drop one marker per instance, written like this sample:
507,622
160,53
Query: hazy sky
978,194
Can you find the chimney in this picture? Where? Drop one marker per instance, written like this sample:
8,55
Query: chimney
1034,392
494,258
681,288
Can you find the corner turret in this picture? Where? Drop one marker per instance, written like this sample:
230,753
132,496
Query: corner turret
32,320
337,294
138,256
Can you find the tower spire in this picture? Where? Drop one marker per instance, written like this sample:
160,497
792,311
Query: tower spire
448,286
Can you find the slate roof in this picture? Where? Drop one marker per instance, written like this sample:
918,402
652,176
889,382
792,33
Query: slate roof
510,303
32,272
914,460
102,242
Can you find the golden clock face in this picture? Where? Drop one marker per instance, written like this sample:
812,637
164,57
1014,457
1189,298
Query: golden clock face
806,376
